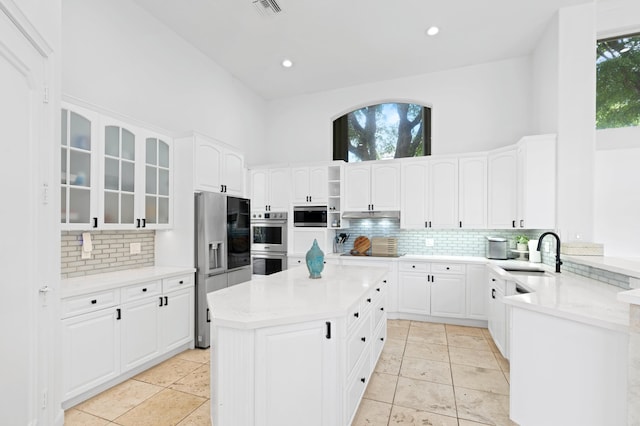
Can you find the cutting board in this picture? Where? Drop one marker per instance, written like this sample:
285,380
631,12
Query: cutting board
361,245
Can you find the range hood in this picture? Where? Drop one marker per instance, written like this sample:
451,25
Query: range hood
372,215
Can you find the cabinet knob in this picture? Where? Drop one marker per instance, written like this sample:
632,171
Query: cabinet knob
382,308
94,301
181,282
364,339
369,299
413,266
378,289
357,314
144,290
382,339
363,380
448,268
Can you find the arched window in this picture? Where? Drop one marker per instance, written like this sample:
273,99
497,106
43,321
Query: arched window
382,131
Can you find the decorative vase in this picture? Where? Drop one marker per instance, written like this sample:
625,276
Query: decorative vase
522,246
315,260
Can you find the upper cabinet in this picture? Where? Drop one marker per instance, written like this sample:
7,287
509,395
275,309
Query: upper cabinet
472,188
270,189
370,187
522,185
442,181
114,175
217,168
309,185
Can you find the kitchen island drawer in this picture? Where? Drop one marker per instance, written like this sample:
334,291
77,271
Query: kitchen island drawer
182,281
77,305
414,266
357,384
141,291
448,268
358,342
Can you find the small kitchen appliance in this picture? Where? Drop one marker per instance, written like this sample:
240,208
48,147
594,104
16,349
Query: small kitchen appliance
496,248
310,216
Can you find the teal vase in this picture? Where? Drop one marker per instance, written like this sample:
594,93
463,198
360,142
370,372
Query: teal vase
315,260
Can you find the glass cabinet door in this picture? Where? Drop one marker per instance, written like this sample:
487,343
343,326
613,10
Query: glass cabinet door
75,172
157,183
119,176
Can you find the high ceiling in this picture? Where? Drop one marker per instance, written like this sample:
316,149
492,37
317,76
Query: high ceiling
339,43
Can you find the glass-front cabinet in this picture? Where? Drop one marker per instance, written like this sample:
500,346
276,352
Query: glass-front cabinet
114,175
78,203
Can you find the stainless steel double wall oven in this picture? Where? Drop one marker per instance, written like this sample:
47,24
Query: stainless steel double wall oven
269,242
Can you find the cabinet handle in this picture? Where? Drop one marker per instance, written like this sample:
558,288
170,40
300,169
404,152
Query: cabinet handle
493,293
521,223
161,304
426,224
208,317
144,222
118,314
166,300
513,223
94,301
137,223
181,282
328,335
428,278
433,279
364,339
460,224
95,222
429,224
382,339
144,290
363,380
221,188
369,299
382,308
357,314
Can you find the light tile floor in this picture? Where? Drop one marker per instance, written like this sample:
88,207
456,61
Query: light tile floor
428,374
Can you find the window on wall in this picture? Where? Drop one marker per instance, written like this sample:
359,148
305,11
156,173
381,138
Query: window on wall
618,82
383,131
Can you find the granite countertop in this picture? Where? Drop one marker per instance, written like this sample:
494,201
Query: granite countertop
291,296
98,282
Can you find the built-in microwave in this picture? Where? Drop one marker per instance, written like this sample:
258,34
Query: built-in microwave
310,216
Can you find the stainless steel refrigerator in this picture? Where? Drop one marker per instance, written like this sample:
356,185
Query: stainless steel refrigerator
222,251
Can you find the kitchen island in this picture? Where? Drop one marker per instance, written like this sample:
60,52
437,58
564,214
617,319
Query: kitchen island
290,350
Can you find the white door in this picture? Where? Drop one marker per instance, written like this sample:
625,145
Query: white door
318,184
385,186
279,190
259,189
300,185
140,332
502,188
207,166
448,296
414,195
357,187
473,192
233,173
177,315
443,193
414,293
31,237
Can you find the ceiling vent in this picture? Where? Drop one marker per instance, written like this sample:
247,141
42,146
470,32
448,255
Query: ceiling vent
267,7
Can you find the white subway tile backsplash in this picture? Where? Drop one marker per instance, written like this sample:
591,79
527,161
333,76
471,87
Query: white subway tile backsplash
110,252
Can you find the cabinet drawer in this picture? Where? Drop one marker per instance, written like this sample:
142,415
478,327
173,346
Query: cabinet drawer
355,315
357,385
169,284
414,266
358,342
379,311
448,268
141,291
379,338
497,283
89,302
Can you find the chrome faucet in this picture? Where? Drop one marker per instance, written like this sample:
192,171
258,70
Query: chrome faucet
558,261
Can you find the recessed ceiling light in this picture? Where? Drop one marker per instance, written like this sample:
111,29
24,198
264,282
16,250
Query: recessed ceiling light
287,63
431,31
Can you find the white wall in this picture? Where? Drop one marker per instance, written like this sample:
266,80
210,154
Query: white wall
545,64
120,58
617,177
475,108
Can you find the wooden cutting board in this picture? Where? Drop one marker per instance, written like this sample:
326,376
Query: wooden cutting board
361,245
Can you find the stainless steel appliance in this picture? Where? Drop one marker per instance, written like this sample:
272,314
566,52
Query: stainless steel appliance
310,216
496,248
222,251
269,243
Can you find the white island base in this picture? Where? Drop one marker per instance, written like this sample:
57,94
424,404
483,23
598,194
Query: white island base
290,350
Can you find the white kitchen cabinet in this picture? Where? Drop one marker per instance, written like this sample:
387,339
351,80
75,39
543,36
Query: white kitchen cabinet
502,189
430,194
217,168
310,185
90,349
472,192
298,359
370,187
477,299
79,164
497,315
414,293
114,175
536,159
448,298
270,189
109,333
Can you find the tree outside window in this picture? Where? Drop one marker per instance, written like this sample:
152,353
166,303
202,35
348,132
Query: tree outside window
383,131
618,82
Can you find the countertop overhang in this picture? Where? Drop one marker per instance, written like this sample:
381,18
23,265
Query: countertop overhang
291,296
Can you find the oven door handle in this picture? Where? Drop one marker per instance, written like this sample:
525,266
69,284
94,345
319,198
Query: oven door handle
267,254
269,222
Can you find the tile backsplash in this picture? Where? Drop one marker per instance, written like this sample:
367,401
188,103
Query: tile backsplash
110,252
467,242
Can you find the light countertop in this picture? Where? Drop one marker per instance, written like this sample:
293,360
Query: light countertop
291,296
622,265
572,297
98,282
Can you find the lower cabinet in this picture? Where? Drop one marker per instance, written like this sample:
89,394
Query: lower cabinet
497,315
109,333
435,289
